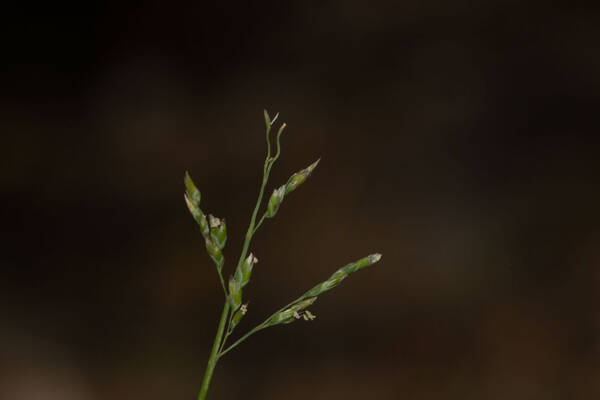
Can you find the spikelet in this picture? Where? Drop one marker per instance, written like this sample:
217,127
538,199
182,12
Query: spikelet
341,274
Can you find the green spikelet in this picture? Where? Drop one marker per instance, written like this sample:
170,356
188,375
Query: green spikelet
244,271
341,274
289,315
275,201
235,294
299,177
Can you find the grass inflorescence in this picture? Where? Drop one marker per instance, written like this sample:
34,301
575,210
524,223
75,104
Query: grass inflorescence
214,232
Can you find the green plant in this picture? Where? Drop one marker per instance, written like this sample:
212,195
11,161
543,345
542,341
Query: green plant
214,232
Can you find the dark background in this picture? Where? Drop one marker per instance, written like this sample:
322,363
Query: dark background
458,138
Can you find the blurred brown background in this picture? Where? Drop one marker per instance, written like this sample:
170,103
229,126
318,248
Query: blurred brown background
457,138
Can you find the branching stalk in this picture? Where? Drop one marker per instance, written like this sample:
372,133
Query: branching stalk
222,335
214,231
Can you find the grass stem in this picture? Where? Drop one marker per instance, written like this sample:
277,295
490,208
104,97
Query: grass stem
214,354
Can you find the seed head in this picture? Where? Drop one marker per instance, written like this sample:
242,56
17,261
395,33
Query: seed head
244,271
341,274
191,190
275,201
299,177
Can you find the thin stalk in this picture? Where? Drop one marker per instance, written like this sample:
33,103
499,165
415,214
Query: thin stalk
250,233
222,284
268,165
266,171
240,340
214,354
225,339
259,223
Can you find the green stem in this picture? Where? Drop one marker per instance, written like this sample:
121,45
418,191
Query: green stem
225,339
266,170
251,230
222,284
245,247
214,354
240,340
259,223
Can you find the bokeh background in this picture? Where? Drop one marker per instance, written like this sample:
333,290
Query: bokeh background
458,138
